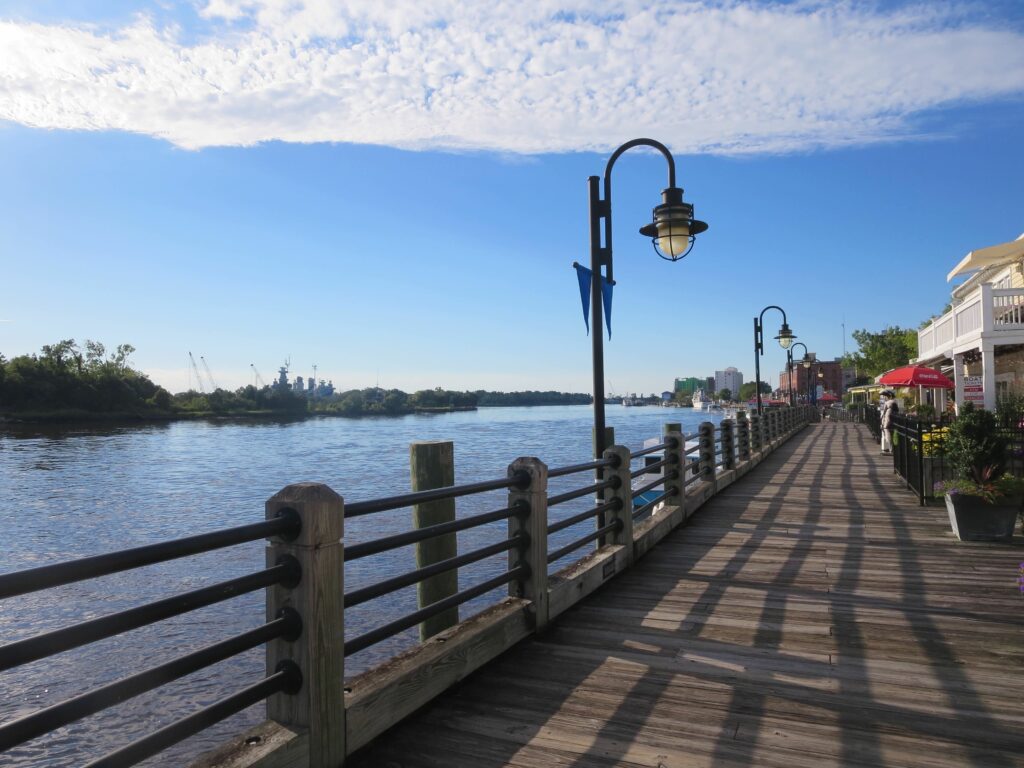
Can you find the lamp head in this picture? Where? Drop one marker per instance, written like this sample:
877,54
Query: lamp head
673,230
806,361
785,337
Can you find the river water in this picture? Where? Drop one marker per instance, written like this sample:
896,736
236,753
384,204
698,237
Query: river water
68,493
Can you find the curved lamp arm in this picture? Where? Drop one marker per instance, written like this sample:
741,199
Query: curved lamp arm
608,187
759,325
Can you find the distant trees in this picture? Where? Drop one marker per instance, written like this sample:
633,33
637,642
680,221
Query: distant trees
725,395
532,397
64,376
748,390
882,351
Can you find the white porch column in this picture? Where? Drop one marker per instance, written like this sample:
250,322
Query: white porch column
958,382
988,374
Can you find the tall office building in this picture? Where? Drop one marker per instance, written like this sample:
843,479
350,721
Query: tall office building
730,379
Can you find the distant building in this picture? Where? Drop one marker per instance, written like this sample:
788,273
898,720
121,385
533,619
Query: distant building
825,376
666,396
730,379
689,385
709,384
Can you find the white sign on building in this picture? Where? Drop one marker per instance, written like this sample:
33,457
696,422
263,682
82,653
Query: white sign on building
974,391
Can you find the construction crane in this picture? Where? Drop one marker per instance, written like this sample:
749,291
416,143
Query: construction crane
213,384
256,373
195,368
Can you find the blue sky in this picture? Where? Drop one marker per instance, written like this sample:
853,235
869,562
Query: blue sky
397,195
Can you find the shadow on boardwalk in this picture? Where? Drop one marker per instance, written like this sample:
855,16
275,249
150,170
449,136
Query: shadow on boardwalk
810,615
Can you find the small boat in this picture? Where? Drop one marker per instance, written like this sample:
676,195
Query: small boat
649,477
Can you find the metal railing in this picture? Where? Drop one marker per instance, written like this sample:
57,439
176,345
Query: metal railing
287,625
304,582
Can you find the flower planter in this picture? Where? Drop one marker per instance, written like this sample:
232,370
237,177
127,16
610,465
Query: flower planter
975,519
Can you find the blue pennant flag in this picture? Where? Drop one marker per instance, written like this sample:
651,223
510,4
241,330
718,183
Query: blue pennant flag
584,276
606,294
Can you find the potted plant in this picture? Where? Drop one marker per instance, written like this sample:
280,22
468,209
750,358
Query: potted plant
982,501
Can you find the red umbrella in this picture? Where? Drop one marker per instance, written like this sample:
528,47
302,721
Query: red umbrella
916,376
828,398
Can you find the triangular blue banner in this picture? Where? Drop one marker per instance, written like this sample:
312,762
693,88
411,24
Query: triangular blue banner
606,294
585,276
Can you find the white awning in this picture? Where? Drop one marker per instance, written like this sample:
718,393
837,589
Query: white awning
989,257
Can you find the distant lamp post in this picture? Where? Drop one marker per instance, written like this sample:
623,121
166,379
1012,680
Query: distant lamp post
785,339
789,370
806,362
672,234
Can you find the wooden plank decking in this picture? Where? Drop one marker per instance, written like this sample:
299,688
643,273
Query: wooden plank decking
811,615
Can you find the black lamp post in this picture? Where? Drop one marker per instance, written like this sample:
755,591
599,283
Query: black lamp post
806,362
672,232
785,339
789,370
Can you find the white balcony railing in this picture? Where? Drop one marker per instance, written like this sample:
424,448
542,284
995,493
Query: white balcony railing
985,312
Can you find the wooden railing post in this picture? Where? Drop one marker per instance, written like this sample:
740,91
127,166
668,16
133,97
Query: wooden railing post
601,519
318,597
432,465
772,421
743,436
706,436
624,493
534,523
728,445
756,432
677,463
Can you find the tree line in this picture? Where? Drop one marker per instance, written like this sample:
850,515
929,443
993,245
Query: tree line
85,380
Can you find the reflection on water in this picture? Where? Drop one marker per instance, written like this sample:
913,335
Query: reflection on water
67,493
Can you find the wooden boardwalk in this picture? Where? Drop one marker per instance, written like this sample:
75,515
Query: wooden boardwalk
811,615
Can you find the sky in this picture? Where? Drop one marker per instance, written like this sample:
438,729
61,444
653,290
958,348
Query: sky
395,192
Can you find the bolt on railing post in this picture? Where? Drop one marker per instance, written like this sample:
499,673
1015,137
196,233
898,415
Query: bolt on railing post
756,432
728,445
624,493
677,463
743,435
432,465
601,518
319,651
534,523
706,437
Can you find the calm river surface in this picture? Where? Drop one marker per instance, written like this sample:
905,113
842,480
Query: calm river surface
67,493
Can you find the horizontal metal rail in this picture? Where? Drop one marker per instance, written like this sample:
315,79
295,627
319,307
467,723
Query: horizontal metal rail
651,467
519,480
287,679
653,449
60,640
382,633
286,525
612,482
691,449
568,522
289,625
387,543
653,484
359,596
572,470
640,511
558,554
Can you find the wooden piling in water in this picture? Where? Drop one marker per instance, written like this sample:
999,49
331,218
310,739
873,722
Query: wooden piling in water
432,465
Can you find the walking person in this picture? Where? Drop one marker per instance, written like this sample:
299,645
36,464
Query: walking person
889,409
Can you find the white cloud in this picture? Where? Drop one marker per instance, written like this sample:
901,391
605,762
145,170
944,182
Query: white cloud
544,76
